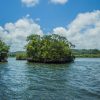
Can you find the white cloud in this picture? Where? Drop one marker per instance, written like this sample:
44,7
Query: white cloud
15,33
83,31
59,1
30,3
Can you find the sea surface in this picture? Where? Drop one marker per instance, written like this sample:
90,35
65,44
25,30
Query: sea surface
20,80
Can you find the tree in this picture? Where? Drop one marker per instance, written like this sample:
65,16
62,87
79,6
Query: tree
49,48
4,49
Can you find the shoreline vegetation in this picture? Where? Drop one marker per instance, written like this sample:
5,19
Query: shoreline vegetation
86,53
20,56
4,49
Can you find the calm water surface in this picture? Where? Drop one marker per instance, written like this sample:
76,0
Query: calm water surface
20,80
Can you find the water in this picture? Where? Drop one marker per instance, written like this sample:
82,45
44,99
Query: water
20,80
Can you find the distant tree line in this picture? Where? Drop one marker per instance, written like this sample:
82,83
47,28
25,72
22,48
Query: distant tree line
95,53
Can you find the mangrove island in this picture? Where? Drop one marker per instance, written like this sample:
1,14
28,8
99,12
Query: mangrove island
4,49
49,49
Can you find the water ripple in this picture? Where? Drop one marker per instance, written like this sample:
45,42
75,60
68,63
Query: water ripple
20,80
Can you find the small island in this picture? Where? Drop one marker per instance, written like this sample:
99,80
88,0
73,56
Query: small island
20,55
49,49
4,49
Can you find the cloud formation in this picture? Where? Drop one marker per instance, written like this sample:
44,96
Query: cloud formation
30,3
14,34
59,1
83,31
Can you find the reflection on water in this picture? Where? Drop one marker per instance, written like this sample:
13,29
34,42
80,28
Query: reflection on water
20,80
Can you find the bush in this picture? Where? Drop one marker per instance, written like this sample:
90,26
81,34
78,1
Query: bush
4,49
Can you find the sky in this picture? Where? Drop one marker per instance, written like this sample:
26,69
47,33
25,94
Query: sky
77,20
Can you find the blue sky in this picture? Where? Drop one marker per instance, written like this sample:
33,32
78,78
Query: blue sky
49,16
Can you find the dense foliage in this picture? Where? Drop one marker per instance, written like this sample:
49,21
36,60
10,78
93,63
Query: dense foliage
90,53
3,51
21,56
49,48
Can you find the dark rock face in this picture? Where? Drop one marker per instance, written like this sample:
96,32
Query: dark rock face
59,61
3,60
2,57
21,58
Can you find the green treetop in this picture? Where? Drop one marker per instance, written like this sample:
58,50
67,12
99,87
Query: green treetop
4,49
49,48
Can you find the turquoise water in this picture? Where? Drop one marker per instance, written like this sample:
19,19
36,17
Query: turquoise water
80,80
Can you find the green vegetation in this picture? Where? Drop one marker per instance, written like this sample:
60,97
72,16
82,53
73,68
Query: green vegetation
49,49
21,56
4,49
84,53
